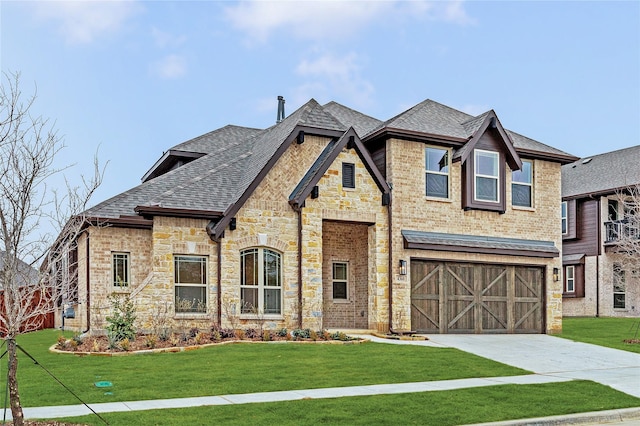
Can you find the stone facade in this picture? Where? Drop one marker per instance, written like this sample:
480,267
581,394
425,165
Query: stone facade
337,224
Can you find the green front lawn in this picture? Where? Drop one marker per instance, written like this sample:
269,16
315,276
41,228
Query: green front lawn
609,332
234,368
464,406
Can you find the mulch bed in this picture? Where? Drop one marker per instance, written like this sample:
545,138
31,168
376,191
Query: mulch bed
180,342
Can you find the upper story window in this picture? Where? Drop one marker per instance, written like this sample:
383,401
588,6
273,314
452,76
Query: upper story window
563,216
486,176
522,185
348,175
190,277
437,172
612,209
120,275
261,281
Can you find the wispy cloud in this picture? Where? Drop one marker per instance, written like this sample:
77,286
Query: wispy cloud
170,67
321,20
164,39
81,22
330,76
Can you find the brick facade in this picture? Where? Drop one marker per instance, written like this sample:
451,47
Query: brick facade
412,209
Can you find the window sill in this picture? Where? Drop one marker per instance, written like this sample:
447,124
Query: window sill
441,200
190,315
570,296
121,290
270,317
341,301
524,209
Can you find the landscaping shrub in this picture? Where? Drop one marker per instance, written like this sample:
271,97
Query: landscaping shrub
120,322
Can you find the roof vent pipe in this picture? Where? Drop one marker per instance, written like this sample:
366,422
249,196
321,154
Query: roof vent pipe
280,109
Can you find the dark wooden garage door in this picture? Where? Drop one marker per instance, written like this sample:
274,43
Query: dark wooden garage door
449,297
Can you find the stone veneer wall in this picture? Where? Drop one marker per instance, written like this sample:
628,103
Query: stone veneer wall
413,210
267,220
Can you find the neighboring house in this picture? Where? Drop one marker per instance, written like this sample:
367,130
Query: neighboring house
27,276
435,221
596,282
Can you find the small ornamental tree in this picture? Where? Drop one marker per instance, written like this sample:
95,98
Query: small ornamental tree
28,147
627,231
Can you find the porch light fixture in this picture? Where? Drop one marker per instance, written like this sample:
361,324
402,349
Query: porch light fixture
403,267
556,275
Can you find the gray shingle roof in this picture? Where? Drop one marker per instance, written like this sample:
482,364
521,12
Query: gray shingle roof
602,173
217,140
215,181
360,122
436,119
26,273
432,118
235,155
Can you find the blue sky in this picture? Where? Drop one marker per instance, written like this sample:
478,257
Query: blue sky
135,78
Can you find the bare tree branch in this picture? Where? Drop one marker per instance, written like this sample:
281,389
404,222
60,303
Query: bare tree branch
29,291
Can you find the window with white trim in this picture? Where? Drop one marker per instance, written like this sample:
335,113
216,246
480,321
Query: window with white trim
522,185
340,280
437,172
120,269
260,281
190,279
486,176
563,216
619,287
570,279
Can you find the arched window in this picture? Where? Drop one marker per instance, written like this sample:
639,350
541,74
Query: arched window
261,281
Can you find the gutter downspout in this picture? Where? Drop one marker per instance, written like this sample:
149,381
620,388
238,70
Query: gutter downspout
390,273
598,258
88,278
219,291
299,267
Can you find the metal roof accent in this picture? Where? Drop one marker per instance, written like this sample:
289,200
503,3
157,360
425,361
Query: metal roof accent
572,259
478,244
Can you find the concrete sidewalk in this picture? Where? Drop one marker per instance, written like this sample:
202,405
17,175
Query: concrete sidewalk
552,359
394,388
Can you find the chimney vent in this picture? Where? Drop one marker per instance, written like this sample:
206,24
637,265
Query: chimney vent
280,109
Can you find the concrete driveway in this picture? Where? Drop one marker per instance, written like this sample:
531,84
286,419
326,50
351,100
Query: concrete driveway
553,356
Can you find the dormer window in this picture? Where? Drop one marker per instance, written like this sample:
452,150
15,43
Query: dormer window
487,176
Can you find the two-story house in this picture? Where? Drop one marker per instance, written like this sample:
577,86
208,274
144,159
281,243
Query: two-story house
598,281
434,221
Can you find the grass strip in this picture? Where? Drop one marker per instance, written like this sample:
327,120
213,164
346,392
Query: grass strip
464,406
234,369
609,332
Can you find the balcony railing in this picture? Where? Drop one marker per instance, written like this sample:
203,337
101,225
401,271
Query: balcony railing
621,229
